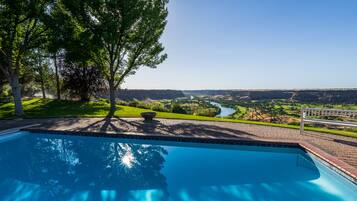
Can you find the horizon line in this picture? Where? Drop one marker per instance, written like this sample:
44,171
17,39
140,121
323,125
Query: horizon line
251,89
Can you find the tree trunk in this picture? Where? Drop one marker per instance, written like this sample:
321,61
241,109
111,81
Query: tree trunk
57,78
43,89
16,93
42,82
112,98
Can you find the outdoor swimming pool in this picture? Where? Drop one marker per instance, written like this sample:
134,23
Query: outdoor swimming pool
60,167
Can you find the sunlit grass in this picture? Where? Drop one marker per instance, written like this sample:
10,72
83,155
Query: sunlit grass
46,108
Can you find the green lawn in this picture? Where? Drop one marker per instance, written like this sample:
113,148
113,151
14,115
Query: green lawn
45,108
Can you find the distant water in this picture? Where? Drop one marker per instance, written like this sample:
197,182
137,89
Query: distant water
225,111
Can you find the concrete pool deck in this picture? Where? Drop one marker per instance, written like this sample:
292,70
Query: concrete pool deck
330,147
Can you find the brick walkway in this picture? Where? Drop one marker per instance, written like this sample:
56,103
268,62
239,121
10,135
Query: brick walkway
344,148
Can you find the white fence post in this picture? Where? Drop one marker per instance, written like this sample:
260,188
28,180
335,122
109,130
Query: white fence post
302,121
313,115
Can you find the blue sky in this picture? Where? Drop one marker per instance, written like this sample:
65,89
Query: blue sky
256,44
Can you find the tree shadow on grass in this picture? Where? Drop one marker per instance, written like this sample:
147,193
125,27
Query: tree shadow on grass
63,108
7,110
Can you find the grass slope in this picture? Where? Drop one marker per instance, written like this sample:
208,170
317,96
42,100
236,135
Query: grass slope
45,108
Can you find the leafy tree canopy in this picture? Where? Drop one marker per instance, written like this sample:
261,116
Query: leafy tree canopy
118,36
21,30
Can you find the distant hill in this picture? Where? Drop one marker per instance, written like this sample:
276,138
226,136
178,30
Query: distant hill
336,96
341,96
141,94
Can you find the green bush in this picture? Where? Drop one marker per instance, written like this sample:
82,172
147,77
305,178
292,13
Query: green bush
294,123
176,108
208,112
5,94
133,103
159,107
143,105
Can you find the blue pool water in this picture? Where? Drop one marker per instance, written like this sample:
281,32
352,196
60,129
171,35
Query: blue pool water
53,167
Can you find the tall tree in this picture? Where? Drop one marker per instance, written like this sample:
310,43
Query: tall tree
120,36
58,87
61,28
21,30
42,69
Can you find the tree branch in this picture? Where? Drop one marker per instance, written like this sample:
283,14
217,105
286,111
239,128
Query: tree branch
4,71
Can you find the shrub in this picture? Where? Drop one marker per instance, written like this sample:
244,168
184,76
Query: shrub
5,94
294,123
176,108
159,107
143,105
82,81
133,103
208,112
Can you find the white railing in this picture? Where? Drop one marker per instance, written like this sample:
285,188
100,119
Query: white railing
313,115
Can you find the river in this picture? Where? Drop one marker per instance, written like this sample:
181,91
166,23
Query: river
225,111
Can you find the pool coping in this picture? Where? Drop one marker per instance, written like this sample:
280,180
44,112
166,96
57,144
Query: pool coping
341,167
